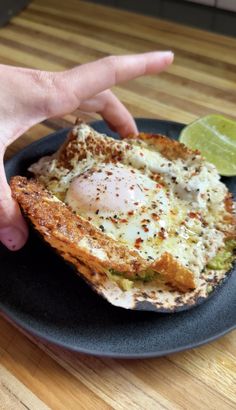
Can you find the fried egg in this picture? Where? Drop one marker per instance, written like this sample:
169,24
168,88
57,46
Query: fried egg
150,198
124,203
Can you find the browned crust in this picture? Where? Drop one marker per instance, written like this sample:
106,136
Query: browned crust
64,230
169,148
97,144
110,148
229,203
67,151
174,273
230,217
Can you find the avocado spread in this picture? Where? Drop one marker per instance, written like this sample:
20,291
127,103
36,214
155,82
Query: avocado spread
224,258
126,283
222,261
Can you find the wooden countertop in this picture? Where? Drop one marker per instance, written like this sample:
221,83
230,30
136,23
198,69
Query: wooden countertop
52,35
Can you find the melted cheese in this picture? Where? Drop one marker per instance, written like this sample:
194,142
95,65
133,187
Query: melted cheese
179,216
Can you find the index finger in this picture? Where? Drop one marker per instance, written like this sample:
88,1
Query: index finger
90,79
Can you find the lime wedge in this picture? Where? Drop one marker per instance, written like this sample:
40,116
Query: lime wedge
215,137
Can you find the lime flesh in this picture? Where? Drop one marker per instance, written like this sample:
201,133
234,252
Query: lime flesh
215,137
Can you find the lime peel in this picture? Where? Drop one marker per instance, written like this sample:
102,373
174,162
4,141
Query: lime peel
215,137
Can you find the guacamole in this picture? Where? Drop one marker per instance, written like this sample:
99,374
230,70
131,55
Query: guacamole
224,258
222,261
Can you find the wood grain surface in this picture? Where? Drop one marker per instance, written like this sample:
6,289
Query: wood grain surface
57,34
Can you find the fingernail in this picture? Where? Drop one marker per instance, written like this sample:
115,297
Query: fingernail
167,52
12,237
169,56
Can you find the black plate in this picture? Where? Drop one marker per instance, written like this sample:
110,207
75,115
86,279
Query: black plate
43,295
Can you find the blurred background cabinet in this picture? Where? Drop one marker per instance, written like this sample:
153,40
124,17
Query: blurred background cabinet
222,4
213,15
226,4
206,2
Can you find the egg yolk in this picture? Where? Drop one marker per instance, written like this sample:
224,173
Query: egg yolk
108,188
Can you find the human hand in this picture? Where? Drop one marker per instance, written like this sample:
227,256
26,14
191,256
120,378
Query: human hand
28,97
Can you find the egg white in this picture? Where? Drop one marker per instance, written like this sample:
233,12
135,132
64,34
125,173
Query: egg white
143,220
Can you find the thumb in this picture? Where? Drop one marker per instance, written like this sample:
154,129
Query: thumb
13,228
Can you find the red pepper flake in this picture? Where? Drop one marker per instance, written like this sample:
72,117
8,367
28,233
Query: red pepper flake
130,213
144,221
123,220
159,186
136,203
155,217
145,228
194,215
162,234
138,243
109,173
141,154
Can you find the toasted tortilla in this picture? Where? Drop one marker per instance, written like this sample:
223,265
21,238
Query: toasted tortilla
91,253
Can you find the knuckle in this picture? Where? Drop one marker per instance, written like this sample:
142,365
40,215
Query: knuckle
2,147
44,79
49,84
5,205
105,96
8,209
112,62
